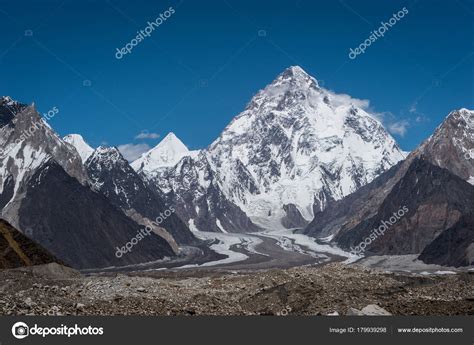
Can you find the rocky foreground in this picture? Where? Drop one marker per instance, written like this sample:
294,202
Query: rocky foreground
330,289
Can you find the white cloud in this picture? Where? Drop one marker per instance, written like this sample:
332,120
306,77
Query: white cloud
391,123
420,117
146,135
388,119
383,117
399,127
342,99
132,151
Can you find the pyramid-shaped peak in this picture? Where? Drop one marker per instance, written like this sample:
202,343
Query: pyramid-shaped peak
171,145
295,71
295,77
172,140
167,153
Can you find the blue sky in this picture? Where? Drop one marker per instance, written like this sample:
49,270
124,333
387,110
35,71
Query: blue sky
202,65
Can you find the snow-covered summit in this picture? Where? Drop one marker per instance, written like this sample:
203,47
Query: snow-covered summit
164,155
105,159
108,153
295,147
80,144
298,145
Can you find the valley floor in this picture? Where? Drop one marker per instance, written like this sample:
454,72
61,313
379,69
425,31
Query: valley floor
267,273
310,290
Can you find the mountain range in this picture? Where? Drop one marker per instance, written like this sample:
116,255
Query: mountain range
298,157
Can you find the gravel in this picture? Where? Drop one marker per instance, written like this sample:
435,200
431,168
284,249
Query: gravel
332,289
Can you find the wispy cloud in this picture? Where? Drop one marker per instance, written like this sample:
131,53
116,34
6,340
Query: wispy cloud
399,127
146,135
342,99
393,124
420,117
132,151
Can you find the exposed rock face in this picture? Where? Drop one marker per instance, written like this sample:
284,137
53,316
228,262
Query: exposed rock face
79,226
17,250
113,176
452,144
434,200
293,218
44,192
185,180
192,187
27,142
357,206
432,184
454,247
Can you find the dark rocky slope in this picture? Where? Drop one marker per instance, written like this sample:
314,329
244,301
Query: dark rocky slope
17,250
203,204
81,227
435,199
113,176
454,247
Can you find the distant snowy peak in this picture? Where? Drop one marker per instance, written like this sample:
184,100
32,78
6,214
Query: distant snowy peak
80,144
165,155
